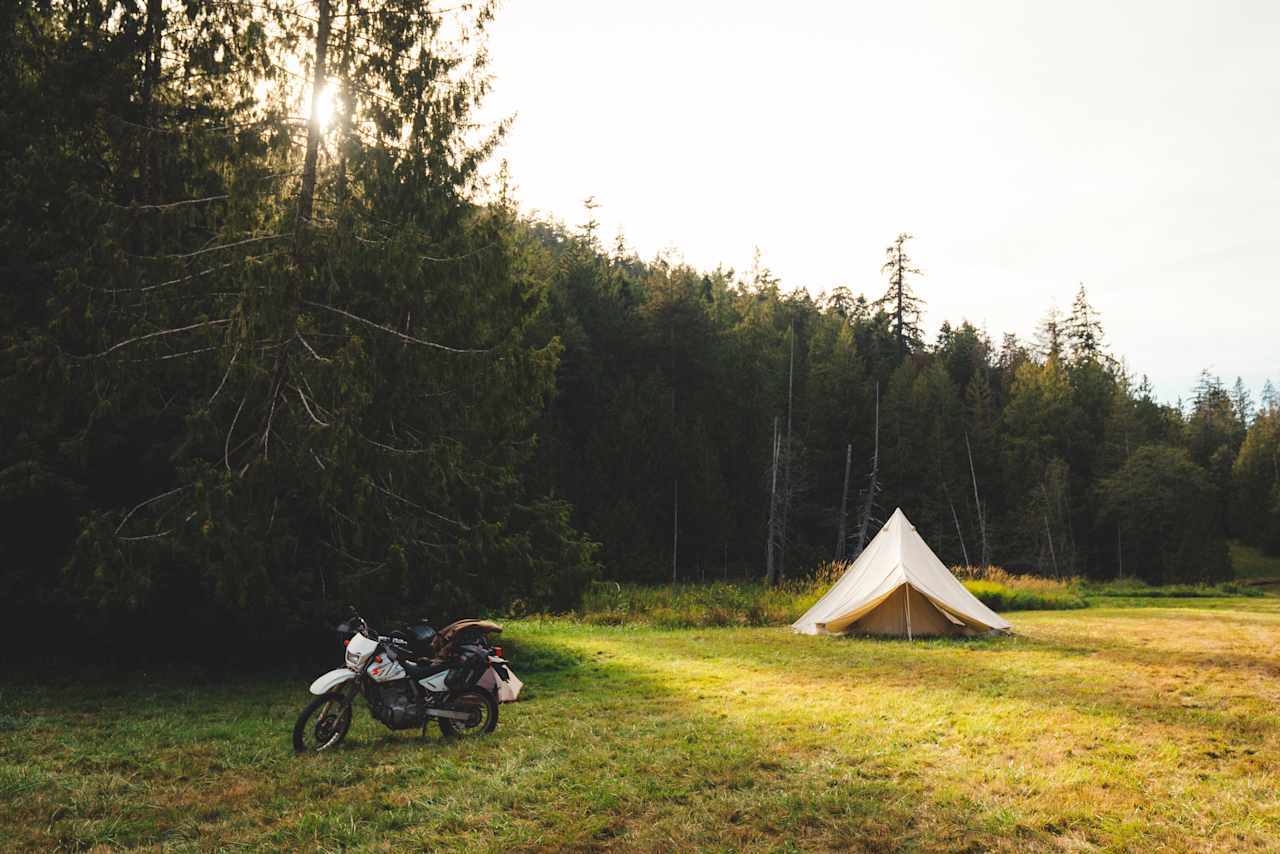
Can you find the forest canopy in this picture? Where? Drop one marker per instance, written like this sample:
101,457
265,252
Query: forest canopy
270,342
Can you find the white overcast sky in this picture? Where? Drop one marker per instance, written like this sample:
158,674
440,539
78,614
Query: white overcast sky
1028,146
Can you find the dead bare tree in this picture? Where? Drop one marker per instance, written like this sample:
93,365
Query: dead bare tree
841,537
873,484
675,530
1048,530
1120,551
959,533
772,535
788,487
982,517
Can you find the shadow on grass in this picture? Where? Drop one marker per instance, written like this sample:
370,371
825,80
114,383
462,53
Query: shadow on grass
728,739
603,754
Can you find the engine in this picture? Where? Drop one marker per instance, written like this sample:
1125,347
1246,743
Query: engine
395,703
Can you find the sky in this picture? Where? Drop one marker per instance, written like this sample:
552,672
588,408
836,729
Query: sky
1028,147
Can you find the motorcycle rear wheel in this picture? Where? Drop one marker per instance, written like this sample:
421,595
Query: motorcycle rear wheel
322,724
484,714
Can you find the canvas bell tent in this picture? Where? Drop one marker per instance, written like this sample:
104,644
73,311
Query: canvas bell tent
898,587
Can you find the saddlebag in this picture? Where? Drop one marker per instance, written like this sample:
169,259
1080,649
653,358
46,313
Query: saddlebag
471,663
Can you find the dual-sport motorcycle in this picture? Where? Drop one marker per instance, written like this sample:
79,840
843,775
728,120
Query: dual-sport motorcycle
409,678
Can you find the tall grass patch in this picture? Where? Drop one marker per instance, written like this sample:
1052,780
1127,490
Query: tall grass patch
756,604
1000,590
1137,588
689,605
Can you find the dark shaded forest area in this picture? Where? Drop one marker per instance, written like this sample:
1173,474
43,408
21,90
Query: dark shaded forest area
254,365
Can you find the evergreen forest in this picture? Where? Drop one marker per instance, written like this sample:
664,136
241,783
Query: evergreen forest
276,336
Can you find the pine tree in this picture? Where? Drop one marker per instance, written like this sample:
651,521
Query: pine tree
1050,334
903,306
1242,400
1270,399
1084,329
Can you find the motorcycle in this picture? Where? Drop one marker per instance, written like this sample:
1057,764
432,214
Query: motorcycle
409,678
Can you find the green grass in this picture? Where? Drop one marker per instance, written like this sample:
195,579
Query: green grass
692,605
999,596
1249,562
1109,728
1135,588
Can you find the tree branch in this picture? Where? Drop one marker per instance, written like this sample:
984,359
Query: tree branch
310,349
226,374
151,500
159,334
307,406
226,446
390,331
246,241
417,506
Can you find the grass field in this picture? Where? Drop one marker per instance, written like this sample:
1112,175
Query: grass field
1250,562
1111,727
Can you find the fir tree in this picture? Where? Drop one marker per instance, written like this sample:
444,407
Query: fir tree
1084,329
1270,399
903,306
1050,334
1242,400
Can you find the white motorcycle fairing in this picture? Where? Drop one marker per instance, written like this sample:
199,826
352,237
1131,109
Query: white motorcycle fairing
331,680
435,683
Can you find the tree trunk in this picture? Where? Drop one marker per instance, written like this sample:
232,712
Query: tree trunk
769,566
675,530
306,196
787,485
982,519
873,484
959,533
898,313
148,160
1048,531
1119,550
150,80
841,537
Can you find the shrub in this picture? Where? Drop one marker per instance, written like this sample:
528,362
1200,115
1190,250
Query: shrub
1135,587
1002,597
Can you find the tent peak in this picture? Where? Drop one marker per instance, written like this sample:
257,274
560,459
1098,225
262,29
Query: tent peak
898,514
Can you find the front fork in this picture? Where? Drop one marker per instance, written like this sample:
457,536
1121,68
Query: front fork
351,690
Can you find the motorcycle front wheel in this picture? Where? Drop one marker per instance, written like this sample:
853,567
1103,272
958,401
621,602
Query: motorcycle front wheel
483,707
322,724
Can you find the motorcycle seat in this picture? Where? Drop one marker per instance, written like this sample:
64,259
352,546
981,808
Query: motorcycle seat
418,670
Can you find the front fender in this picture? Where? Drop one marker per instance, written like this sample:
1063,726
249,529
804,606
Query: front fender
331,680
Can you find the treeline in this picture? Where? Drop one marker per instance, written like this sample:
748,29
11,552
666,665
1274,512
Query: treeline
254,364
677,390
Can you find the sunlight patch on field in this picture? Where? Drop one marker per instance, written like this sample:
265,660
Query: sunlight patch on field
1109,727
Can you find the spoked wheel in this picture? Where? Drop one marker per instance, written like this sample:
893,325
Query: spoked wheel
322,724
482,707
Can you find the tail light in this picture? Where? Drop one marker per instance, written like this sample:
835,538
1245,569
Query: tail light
497,650
346,642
